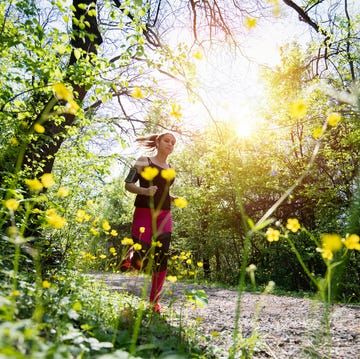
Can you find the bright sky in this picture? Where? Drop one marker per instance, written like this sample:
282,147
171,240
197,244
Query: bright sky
230,85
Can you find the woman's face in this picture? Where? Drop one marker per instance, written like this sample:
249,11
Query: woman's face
166,143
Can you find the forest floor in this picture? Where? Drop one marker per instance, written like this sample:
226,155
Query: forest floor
284,327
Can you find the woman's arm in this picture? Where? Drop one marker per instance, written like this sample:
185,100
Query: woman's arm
131,185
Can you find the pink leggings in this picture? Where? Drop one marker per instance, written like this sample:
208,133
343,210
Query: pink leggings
143,219
143,231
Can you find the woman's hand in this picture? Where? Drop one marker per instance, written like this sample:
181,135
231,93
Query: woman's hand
151,190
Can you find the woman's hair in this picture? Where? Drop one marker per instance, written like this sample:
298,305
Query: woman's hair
149,142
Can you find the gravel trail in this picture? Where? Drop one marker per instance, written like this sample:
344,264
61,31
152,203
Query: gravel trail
287,327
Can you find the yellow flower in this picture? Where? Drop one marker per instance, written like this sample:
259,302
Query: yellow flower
331,242
94,231
137,246
272,235
54,219
62,92
47,180
327,254
137,93
180,202
297,109
102,256
127,242
142,229
80,214
114,233
14,141
175,111
39,128
197,55
15,293
12,204
34,184
112,250
72,107
46,284
318,131
63,192
352,241
293,225
149,173
168,174
333,118
250,22
200,264
89,202
171,278
105,225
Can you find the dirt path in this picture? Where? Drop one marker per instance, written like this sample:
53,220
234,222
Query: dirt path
288,327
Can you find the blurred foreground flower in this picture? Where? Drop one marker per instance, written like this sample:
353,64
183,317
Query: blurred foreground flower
12,204
62,92
297,109
149,173
34,184
168,174
333,119
180,202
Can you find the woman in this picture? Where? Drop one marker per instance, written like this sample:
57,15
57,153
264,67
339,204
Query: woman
152,217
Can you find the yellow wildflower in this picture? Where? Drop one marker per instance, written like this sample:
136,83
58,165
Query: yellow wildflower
12,204
15,293
63,192
112,250
105,225
94,231
197,55
318,131
102,256
142,229
14,141
137,246
127,242
188,261
46,284
297,109
34,184
149,173
180,202
200,264
47,180
293,225
62,92
54,219
352,242
114,233
72,107
327,254
272,235
168,174
137,93
333,118
80,215
176,111
171,278
39,128
250,22
332,242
